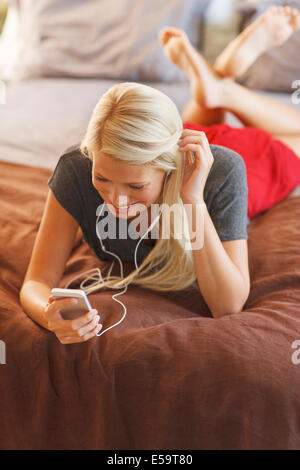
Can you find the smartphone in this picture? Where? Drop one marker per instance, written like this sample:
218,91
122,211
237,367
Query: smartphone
74,311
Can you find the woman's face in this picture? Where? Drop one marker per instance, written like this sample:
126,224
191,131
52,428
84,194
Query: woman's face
126,186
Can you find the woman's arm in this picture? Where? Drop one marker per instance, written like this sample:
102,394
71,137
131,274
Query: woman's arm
221,268
52,247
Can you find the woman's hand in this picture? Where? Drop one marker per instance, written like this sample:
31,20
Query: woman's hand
71,331
195,174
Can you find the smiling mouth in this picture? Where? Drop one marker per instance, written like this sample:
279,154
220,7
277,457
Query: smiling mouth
123,208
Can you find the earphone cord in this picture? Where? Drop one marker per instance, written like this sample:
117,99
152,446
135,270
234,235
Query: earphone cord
99,277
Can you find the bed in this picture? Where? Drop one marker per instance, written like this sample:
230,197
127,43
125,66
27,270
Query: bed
170,376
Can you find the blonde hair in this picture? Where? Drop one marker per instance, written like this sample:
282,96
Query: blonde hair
140,125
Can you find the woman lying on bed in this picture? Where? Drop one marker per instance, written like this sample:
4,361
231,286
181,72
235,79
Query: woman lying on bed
133,156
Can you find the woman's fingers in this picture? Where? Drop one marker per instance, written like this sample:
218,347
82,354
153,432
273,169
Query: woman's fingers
65,339
199,138
196,172
192,148
53,307
71,331
89,327
191,132
79,322
56,322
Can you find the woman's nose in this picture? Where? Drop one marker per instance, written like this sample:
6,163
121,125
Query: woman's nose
119,199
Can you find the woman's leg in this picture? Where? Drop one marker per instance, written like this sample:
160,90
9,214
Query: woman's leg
270,30
280,120
211,90
256,110
195,112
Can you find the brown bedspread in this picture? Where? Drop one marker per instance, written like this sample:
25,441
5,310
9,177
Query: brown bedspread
169,376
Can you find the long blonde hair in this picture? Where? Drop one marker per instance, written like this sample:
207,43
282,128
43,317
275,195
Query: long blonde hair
140,125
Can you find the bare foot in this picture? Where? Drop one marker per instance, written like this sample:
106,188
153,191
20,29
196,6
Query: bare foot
271,29
205,81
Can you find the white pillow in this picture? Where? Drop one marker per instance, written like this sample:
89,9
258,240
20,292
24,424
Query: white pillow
102,38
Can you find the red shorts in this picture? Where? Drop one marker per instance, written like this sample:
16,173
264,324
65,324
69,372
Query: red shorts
273,169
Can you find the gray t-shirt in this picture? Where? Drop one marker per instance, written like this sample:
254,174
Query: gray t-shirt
225,195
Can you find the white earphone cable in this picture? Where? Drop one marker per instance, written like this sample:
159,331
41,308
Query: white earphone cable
98,271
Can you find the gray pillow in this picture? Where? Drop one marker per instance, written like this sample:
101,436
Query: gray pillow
278,68
115,39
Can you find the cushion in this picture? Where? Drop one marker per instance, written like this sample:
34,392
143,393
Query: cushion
102,39
278,68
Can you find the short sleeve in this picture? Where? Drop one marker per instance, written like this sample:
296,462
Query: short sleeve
65,185
227,194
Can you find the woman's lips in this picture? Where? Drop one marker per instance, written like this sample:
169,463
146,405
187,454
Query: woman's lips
122,209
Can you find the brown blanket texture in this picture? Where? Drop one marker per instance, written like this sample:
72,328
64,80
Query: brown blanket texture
170,376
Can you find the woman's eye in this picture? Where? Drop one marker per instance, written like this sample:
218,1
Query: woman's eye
137,187
100,179
133,187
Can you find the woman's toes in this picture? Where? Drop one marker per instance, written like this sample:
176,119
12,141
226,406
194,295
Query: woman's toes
173,30
295,19
167,33
170,32
164,36
277,10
